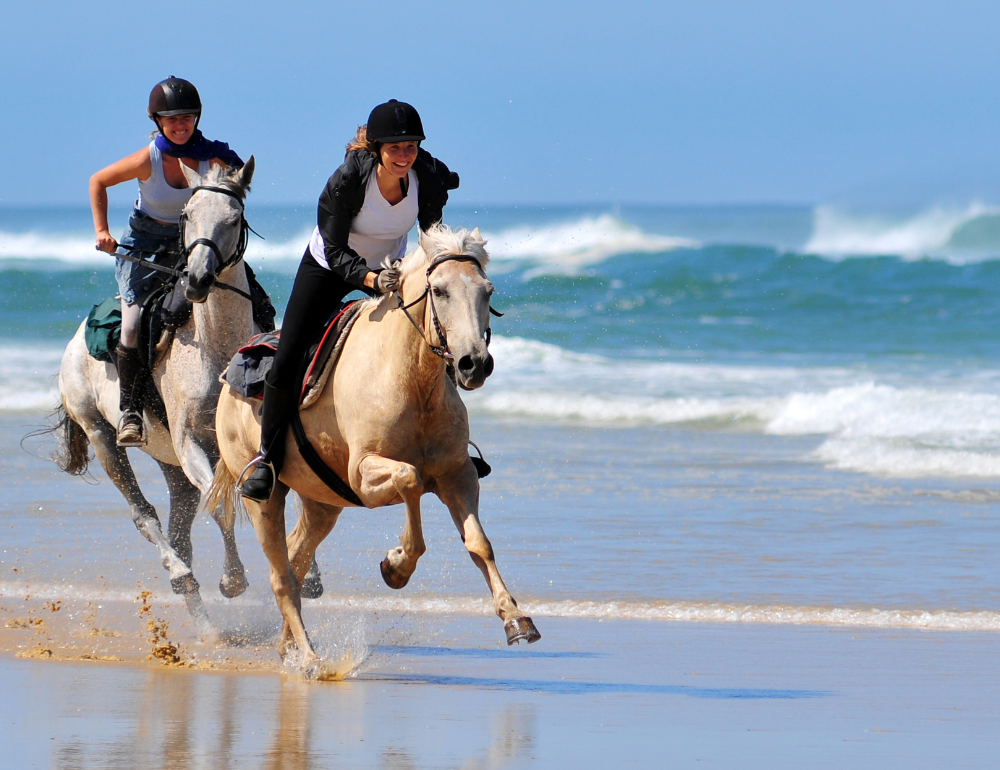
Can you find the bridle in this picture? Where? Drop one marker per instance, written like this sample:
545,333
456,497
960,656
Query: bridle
241,245
441,351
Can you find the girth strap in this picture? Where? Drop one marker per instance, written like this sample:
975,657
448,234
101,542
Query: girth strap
325,473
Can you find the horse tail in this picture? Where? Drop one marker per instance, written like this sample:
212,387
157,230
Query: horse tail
72,454
222,494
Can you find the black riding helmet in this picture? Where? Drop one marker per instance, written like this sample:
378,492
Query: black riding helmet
394,121
173,96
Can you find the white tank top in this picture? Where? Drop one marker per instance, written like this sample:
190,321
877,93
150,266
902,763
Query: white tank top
158,199
380,229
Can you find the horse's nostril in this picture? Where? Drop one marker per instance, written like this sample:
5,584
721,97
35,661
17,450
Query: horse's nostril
466,364
488,366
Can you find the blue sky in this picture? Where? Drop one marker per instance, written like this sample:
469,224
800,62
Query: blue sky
531,102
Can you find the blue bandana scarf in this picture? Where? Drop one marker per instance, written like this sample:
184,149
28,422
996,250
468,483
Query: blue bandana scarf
199,148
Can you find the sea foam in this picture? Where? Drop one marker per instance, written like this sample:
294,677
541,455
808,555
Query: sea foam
539,607
567,246
862,422
901,429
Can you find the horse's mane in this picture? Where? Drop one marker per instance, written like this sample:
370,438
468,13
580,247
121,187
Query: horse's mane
441,241
222,175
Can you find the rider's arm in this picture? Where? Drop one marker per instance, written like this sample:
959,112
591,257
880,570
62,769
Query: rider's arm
135,166
339,203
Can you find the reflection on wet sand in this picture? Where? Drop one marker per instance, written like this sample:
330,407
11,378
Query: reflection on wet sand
290,747
120,718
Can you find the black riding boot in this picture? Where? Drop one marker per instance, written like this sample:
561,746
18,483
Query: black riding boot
273,428
132,383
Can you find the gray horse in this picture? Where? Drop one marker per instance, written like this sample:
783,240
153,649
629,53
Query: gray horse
187,377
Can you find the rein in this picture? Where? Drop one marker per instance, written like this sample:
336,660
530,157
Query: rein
237,255
441,351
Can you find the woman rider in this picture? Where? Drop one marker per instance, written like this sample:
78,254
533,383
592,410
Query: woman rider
175,108
369,205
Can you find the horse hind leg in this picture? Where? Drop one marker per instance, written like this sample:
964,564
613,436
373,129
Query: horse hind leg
115,462
314,525
269,523
461,496
382,482
312,583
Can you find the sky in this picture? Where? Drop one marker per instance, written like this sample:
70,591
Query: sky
544,103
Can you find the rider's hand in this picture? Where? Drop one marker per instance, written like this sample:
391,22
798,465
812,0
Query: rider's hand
388,280
105,242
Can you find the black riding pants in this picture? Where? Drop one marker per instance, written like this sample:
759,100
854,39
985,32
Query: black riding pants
316,294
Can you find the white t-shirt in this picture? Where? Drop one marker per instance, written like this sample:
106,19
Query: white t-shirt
380,229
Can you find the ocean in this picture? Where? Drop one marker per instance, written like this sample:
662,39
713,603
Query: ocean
740,414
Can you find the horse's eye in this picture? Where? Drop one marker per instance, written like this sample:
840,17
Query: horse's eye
440,293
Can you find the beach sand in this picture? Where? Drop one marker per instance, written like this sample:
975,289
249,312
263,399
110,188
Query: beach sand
592,694
101,667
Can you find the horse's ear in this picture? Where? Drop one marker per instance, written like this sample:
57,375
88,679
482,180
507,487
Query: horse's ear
476,235
245,174
193,177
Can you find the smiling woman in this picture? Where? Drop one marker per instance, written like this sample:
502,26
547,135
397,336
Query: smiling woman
385,185
153,231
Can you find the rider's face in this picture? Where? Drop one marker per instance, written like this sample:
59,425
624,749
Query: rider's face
398,157
177,128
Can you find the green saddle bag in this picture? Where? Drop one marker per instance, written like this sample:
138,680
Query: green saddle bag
104,329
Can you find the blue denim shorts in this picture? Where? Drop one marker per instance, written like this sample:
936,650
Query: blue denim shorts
135,282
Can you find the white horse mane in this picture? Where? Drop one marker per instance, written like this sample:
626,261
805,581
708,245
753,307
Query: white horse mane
440,241
229,177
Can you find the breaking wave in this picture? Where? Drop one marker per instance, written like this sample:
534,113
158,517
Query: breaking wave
957,235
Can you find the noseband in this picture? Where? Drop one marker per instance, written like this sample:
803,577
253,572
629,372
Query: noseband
241,245
441,351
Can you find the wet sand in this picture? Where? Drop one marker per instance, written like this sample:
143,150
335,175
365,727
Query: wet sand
99,674
595,694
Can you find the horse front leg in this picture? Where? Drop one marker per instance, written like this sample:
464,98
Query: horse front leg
198,465
269,523
460,492
383,482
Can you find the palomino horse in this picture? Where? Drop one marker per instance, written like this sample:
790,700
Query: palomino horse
186,376
391,423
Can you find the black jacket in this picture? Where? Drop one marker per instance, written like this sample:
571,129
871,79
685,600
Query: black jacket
344,195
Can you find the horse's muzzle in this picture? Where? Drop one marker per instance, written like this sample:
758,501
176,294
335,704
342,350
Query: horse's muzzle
472,371
198,290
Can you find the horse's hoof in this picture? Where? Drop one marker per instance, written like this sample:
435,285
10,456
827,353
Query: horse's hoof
311,667
521,628
231,587
186,584
312,586
392,576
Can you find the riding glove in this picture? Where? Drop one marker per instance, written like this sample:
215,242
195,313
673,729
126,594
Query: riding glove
388,280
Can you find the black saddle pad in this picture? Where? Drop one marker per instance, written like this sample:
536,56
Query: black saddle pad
249,367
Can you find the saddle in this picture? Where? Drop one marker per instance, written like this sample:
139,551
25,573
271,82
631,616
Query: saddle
251,364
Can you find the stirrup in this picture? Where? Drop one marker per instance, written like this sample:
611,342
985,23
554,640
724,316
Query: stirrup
256,462
136,438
